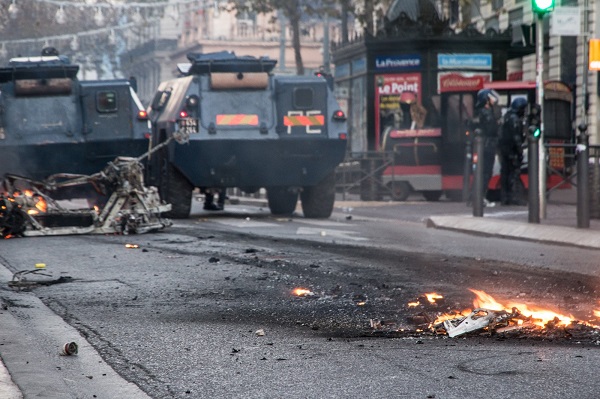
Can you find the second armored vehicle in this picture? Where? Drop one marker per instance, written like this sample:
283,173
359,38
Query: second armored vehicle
51,122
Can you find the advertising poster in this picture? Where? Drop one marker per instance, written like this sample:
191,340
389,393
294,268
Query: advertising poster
462,81
394,95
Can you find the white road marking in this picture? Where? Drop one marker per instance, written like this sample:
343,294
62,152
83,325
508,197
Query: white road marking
342,234
244,223
314,222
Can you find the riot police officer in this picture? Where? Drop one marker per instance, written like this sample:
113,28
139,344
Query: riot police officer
511,153
487,122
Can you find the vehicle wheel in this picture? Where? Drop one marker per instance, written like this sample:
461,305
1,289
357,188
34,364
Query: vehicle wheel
432,195
317,201
177,191
400,190
281,200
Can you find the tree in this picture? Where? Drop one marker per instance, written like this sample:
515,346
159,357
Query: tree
294,11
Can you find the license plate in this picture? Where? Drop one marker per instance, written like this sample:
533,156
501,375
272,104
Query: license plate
188,125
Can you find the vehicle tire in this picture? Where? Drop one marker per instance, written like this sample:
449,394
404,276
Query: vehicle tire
317,201
177,191
400,190
281,200
432,195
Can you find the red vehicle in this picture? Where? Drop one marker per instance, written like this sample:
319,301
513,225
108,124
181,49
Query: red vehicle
434,161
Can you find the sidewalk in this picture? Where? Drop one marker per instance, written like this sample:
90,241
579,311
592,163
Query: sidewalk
558,227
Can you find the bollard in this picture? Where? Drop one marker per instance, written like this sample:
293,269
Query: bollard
533,156
583,192
477,194
468,168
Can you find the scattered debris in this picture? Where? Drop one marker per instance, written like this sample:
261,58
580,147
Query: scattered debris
20,280
28,209
69,349
488,317
260,333
484,318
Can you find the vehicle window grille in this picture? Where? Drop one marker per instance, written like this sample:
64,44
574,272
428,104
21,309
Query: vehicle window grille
303,98
106,101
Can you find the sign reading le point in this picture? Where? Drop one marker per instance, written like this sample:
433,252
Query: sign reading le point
594,61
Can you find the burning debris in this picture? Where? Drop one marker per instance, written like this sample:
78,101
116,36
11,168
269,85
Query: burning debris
302,292
489,317
131,207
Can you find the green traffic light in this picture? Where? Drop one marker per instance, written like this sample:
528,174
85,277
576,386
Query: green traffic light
542,6
537,132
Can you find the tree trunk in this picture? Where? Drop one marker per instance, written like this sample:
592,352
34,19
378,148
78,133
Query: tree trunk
294,17
369,9
344,22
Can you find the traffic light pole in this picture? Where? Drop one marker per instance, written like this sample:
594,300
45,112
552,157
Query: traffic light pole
539,83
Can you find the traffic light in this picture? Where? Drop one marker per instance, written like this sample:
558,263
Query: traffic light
542,6
534,121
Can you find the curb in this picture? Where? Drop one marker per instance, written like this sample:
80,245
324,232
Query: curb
549,234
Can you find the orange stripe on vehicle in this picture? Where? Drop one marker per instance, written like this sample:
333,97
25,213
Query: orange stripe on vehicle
237,119
302,120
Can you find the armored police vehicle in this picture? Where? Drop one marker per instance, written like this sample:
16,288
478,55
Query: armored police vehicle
248,129
51,122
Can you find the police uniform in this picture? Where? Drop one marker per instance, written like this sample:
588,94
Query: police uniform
488,124
511,153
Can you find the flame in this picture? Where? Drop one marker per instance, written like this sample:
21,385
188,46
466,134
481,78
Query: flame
541,315
414,304
32,201
432,296
131,246
450,316
302,292
41,204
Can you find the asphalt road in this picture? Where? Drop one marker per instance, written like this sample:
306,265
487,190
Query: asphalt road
205,309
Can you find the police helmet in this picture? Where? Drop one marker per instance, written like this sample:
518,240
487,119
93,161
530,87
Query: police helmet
518,105
486,95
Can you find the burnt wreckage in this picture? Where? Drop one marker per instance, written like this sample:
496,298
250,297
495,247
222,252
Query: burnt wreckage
131,208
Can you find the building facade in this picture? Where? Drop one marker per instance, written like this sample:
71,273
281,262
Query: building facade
565,55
